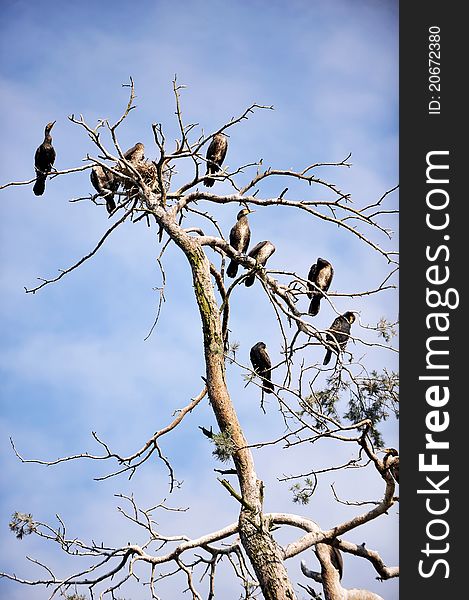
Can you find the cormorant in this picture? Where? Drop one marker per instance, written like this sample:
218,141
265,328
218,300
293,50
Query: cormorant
338,334
215,156
136,153
262,365
207,432
337,560
394,468
43,161
105,184
240,235
136,157
320,275
261,253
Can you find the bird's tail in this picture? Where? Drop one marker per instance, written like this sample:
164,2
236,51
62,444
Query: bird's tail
267,385
40,184
314,306
249,280
160,233
110,204
327,358
232,269
212,168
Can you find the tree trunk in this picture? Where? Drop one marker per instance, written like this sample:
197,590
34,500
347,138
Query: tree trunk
265,556
332,587
264,553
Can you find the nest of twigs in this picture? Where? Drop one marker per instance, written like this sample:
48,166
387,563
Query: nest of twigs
149,173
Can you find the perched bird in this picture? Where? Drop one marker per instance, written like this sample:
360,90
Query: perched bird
105,184
240,236
215,156
136,157
394,468
261,253
262,366
337,560
338,334
136,153
207,432
43,160
319,279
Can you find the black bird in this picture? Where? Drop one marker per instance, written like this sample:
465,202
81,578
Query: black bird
105,184
43,160
207,432
261,253
337,560
215,156
320,275
338,334
240,236
262,365
394,468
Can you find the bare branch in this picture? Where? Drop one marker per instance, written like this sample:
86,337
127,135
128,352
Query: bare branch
83,259
128,461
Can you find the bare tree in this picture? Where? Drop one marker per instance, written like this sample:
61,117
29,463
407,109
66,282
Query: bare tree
307,394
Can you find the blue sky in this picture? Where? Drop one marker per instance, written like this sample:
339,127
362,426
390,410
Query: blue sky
73,357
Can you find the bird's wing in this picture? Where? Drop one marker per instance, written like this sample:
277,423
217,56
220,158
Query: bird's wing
312,277
211,150
335,330
221,149
265,358
337,560
95,180
37,157
235,235
217,150
257,358
255,250
245,239
324,277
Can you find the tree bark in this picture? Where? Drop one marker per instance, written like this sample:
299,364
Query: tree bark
264,553
331,585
